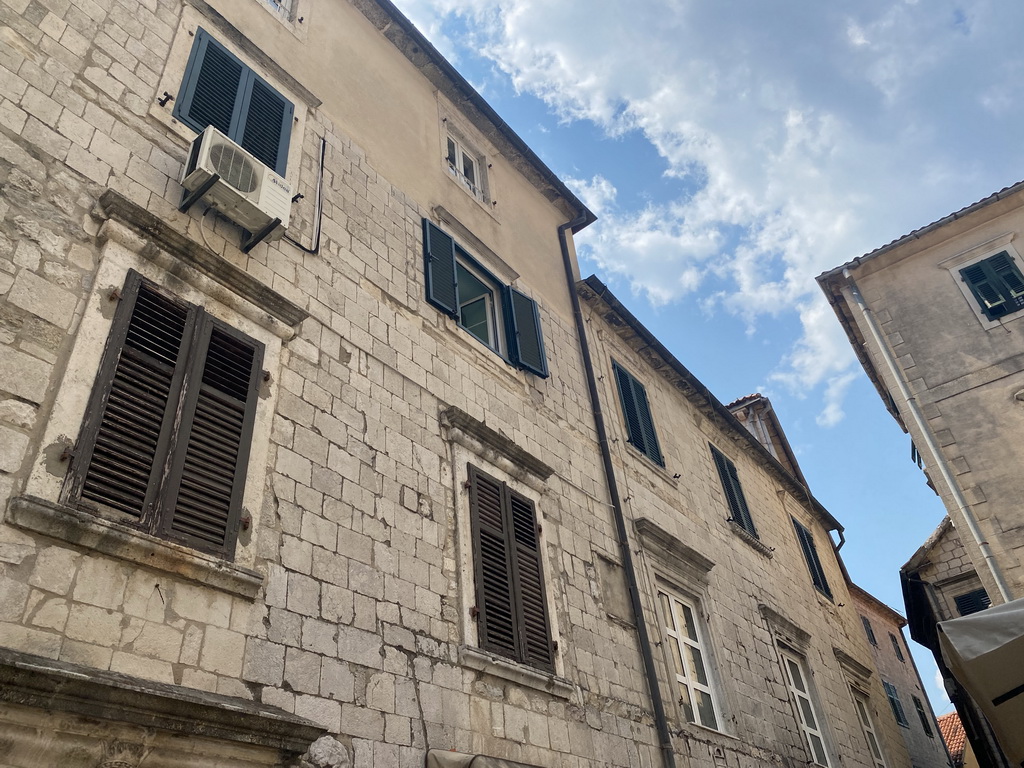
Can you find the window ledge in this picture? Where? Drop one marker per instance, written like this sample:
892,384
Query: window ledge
490,664
753,541
117,540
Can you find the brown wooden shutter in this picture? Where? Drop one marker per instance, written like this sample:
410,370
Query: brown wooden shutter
496,627
528,572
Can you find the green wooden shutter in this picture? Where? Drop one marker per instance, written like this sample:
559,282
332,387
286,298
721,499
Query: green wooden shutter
528,575
126,431
266,123
868,630
895,704
811,556
738,508
996,283
526,342
492,551
439,257
207,479
637,413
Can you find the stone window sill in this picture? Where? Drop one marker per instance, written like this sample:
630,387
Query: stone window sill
753,541
488,663
121,541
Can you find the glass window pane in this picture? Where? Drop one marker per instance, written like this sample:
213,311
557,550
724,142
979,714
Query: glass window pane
808,713
685,703
453,154
818,749
474,318
706,709
697,664
666,609
468,168
673,646
794,673
691,626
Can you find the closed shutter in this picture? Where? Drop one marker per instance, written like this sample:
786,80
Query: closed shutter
972,602
526,343
439,255
811,556
219,90
896,647
734,492
868,630
996,283
895,704
511,604
637,413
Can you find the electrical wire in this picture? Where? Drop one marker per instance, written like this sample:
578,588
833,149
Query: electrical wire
318,208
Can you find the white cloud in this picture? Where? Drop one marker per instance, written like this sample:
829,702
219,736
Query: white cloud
804,135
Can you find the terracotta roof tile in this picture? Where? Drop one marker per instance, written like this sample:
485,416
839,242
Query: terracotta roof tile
953,734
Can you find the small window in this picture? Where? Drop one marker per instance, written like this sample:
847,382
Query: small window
219,90
868,727
688,649
996,284
811,557
869,631
511,605
896,647
283,8
499,316
923,717
637,412
465,165
896,704
165,443
972,602
811,722
738,509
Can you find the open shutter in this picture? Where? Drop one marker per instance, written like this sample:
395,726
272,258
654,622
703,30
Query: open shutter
526,342
212,86
652,449
868,630
528,574
439,255
127,428
634,431
207,480
266,123
492,549
811,556
738,508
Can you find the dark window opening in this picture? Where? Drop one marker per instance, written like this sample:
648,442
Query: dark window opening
738,510
637,412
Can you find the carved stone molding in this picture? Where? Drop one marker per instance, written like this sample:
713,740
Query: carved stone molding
121,754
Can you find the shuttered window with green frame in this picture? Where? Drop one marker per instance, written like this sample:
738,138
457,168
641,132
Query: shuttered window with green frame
511,605
739,511
810,551
219,90
996,283
636,411
164,446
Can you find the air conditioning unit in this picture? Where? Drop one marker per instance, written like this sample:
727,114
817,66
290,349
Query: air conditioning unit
247,191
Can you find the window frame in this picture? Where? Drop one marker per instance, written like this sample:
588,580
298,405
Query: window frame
636,414
519,338
186,387
686,674
974,601
249,83
895,704
1002,273
923,717
739,510
862,703
817,572
869,630
800,696
521,618
896,647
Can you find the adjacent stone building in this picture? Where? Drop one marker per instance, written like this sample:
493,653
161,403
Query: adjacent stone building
315,451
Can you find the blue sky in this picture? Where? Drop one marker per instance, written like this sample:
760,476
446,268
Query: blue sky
734,150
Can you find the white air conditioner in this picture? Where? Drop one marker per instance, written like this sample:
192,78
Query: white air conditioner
247,192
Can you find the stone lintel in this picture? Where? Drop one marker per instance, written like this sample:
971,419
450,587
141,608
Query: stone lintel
461,425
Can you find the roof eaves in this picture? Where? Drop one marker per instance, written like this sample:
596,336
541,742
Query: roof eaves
921,555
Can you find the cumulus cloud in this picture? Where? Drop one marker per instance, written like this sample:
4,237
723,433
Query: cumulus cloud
801,135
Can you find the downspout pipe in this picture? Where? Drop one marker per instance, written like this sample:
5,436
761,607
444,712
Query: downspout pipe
660,718
918,418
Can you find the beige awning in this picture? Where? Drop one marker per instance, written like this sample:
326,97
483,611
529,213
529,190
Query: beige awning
439,758
985,652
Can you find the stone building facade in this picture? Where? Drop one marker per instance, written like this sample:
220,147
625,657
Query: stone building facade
341,497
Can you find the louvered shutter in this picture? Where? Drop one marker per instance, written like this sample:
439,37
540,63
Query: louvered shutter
652,449
637,413
528,574
126,432
266,123
207,479
811,556
439,256
492,549
868,630
972,602
738,508
526,342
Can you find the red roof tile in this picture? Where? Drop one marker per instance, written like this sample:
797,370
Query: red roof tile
953,734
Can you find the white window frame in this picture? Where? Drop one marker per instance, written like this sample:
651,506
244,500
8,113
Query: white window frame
495,303
862,704
681,666
474,183
803,700
973,255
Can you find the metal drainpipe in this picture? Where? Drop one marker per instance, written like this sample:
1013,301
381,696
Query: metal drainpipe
660,719
918,417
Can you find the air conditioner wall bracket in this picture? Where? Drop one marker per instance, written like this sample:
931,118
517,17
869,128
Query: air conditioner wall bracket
250,242
188,199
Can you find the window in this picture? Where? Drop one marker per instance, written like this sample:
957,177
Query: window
896,647
219,90
811,556
923,717
687,648
511,608
282,7
810,720
501,317
972,602
996,284
738,509
165,441
868,727
465,165
895,703
637,412
869,631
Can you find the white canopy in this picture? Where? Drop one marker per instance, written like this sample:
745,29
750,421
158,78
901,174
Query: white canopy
985,652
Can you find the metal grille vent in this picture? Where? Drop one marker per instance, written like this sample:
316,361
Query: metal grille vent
234,167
